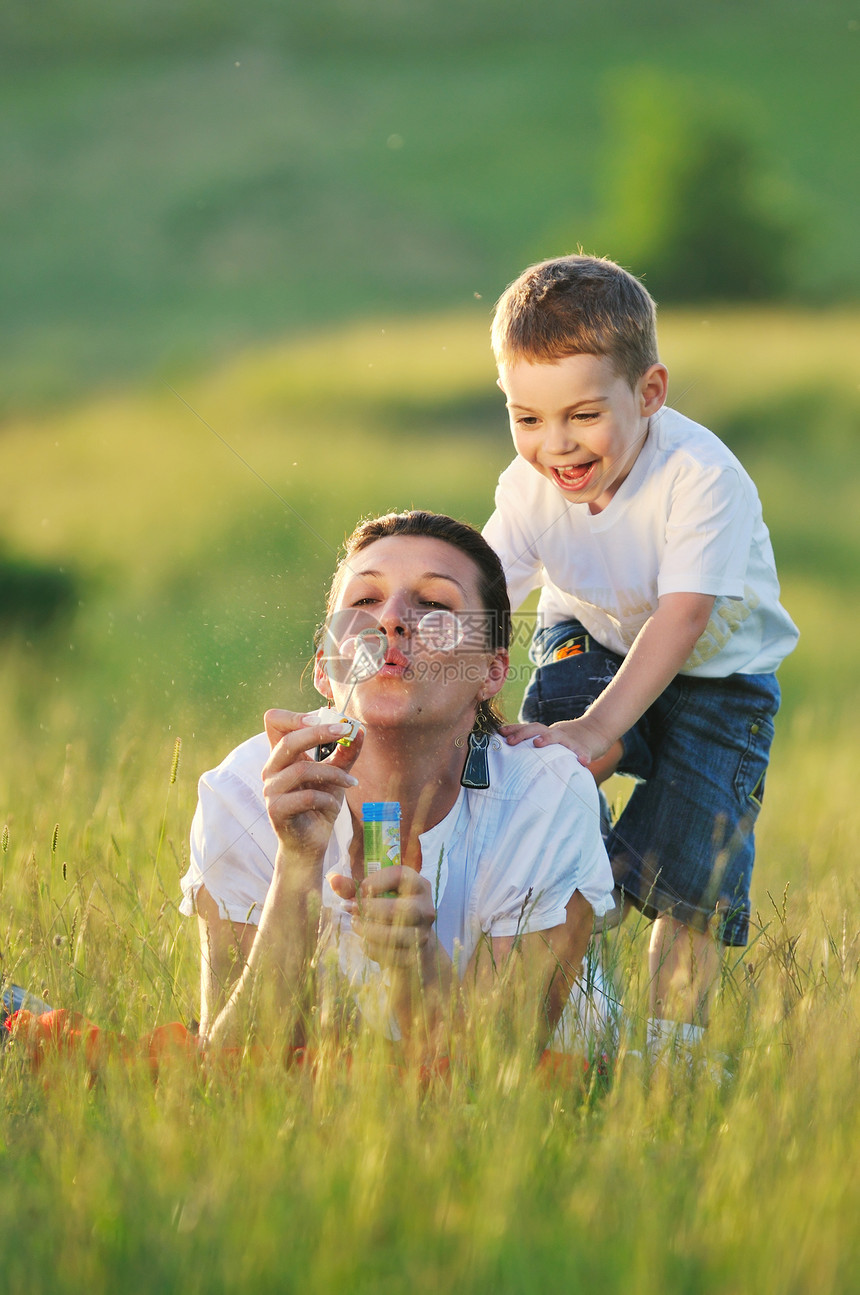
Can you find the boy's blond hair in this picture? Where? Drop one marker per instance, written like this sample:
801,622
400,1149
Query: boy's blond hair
577,305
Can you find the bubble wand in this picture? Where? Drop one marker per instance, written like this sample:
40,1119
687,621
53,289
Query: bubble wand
367,651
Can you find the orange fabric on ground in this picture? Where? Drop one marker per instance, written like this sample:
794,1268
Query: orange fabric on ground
63,1033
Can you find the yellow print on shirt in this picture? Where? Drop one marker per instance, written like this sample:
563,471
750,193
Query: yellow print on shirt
728,615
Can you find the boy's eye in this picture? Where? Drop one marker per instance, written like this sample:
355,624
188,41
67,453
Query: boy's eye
585,416
527,421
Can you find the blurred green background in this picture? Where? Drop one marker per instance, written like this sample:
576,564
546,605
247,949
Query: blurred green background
180,180
249,257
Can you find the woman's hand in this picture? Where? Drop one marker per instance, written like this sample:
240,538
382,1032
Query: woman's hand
303,796
392,913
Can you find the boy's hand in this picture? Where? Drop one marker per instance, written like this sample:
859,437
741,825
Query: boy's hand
516,733
577,735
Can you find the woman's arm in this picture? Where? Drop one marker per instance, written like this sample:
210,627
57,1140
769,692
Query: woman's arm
393,914
268,999
303,798
224,950
528,978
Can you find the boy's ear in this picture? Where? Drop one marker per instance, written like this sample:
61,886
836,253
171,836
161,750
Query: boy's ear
653,388
322,683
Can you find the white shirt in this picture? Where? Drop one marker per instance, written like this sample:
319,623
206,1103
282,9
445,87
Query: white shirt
502,862
687,519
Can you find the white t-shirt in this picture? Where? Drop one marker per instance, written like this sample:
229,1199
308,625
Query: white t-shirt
503,861
687,519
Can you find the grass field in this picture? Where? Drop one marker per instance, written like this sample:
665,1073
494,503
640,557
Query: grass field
201,523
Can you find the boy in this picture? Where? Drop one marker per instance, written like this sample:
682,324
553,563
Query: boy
659,622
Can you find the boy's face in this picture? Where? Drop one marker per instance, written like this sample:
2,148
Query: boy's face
579,424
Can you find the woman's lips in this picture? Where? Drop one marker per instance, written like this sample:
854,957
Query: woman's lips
390,670
395,664
575,476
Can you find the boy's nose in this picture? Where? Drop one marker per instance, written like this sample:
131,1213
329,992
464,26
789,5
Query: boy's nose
560,438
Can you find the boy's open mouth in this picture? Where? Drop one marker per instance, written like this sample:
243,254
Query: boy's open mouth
575,476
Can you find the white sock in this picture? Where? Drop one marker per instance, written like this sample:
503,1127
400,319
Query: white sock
674,1036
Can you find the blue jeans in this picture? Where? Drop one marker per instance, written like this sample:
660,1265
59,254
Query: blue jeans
684,843
13,999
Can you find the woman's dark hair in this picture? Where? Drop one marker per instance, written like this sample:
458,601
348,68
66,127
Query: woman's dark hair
492,586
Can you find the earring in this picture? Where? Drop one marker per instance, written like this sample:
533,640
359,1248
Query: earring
476,773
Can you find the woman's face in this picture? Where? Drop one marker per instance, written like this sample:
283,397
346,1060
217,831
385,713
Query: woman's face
393,584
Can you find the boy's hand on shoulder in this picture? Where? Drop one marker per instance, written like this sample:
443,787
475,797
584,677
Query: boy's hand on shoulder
516,733
576,734
564,733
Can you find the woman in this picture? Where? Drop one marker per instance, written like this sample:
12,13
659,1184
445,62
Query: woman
499,877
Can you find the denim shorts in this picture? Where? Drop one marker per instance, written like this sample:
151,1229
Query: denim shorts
684,843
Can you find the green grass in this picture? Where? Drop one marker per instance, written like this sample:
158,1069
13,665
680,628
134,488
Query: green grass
358,1180
200,588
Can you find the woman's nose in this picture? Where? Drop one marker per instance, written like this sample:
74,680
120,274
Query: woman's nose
394,617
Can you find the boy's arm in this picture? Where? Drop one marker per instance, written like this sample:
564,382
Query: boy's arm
659,651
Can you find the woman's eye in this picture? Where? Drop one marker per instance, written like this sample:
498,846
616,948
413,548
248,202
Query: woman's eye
365,601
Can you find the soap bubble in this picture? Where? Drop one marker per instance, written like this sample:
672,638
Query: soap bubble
440,631
367,651
352,639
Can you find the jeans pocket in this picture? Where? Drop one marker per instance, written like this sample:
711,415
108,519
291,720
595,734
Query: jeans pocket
564,689
752,767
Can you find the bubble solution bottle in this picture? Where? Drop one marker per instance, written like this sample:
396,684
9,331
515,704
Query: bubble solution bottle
381,819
